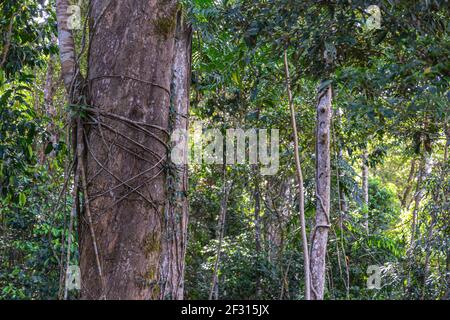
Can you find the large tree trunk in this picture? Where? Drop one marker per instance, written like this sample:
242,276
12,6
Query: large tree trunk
123,221
176,219
319,236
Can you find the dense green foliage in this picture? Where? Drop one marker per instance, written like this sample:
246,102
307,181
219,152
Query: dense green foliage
31,229
390,99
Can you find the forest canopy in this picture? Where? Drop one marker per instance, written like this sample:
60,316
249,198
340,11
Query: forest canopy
224,149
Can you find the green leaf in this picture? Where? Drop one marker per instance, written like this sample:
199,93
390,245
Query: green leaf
30,151
22,199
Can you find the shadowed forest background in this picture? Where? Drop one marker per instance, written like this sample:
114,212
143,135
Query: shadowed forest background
362,111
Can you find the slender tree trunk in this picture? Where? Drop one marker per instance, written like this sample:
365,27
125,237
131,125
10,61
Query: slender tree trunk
427,257
417,199
214,292
424,170
447,271
343,204
342,211
323,180
301,199
176,219
409,184
342,197
257,221
274,226
49,110
70,75
447,142
49,88
131,58
365,190
66,43
429,237
446,165
340,158
7,44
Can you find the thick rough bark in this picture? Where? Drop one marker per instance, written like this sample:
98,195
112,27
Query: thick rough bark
130,74
319,236
176,219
